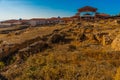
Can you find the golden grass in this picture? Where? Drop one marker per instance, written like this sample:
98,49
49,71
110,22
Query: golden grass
67,66
29,33
87,60
117,77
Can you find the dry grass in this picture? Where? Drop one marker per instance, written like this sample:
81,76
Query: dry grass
76,60
50,65
117,77
29,33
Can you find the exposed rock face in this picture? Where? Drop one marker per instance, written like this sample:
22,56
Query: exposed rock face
33,48
116,43
7,49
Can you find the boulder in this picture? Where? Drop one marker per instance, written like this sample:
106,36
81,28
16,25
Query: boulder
99,36
117,21
90,36
88,30
57,38
82,37
106,40
79,23
116,43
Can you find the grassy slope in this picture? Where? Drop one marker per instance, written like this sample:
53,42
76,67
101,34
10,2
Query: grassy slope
63,62
60,63
28,34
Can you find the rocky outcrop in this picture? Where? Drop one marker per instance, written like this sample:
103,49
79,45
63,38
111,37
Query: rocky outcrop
57,38
7,49
33,48
99,36
106,40
117,21
116,43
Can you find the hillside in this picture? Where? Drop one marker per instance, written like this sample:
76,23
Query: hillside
83,50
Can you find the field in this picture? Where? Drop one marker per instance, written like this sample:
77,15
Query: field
74,51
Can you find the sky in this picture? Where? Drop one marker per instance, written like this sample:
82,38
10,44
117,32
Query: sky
26,9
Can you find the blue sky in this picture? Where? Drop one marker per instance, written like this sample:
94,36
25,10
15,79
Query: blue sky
15,9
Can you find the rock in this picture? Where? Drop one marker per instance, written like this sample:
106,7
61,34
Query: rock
57,38
23,53
79,23
106,40
7,49
88,30
72,48
82,37
117,21
18,32
15,66
40,45
116,43
90,36
99,36
56,30
32,49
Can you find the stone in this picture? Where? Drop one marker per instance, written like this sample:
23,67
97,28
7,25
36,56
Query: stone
90,36
88,30
99,36
82,37
106,40
32,49
116,43
57,38
117,21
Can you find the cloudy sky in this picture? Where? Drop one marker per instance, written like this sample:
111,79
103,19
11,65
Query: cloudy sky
15,9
